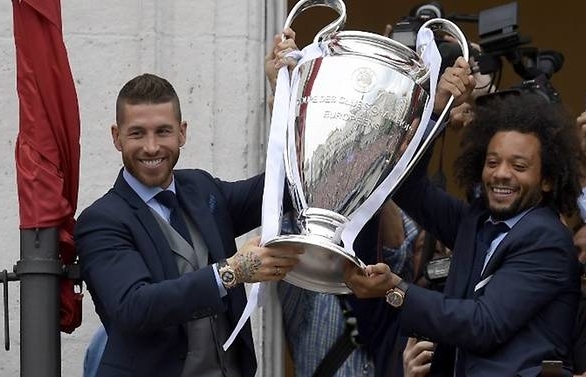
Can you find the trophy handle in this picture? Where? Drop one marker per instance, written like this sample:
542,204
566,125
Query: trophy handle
337,5
453,30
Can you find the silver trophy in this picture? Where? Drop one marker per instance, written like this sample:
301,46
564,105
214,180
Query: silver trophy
357,109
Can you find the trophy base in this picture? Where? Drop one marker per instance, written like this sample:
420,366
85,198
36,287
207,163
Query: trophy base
321,267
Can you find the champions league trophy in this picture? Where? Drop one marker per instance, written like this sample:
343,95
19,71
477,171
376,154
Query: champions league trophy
355,124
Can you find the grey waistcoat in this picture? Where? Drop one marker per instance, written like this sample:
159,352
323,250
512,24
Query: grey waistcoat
205,356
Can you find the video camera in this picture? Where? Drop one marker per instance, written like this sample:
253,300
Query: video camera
497,29
499,37
405,31
436,270
434,263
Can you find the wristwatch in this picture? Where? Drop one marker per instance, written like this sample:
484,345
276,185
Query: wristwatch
227,274
395,296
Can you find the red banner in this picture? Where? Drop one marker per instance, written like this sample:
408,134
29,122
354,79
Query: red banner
47,147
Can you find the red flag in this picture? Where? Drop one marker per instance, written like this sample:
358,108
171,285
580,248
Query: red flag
47,147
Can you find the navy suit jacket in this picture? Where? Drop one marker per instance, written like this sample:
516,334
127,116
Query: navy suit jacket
522,316
132,275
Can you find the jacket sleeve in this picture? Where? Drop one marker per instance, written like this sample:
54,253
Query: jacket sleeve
128,293
536,272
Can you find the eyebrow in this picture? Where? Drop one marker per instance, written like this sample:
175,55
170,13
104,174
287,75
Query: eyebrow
515,156
140,127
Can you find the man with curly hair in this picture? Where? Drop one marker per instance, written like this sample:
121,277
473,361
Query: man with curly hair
511,297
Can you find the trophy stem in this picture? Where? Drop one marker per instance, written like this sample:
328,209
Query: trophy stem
318,222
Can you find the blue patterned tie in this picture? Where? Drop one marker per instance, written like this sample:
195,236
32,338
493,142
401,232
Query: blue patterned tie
169,200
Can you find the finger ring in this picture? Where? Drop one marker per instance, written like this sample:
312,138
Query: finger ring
277,271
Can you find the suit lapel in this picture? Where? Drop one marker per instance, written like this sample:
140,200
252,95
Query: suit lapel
499,253
200,208
147,220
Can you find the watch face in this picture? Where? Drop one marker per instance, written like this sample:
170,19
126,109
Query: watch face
395,298
227,274
228,277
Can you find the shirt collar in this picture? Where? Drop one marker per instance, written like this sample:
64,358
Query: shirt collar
511,221
144,192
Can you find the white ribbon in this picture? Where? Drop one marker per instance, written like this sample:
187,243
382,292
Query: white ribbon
283,116
432,60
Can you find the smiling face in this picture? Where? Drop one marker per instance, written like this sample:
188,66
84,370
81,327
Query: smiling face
149,138
512,179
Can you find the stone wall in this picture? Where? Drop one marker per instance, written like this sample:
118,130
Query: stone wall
211,50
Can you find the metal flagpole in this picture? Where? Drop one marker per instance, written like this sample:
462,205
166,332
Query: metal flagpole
39,271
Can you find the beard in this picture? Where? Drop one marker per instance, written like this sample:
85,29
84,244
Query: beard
501,212
162,178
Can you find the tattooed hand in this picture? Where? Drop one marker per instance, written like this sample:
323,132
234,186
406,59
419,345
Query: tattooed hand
254,263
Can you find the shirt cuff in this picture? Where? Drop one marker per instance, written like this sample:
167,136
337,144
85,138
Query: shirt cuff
221,288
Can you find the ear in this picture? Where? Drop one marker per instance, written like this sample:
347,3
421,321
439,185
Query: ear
182,133
546,185
116,137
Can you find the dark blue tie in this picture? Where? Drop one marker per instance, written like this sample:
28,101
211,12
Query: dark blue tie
484,237
169,200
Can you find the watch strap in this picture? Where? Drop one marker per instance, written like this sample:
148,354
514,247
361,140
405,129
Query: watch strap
403,286
396,295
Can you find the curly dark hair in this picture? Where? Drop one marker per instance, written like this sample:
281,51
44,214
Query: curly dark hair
561,156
